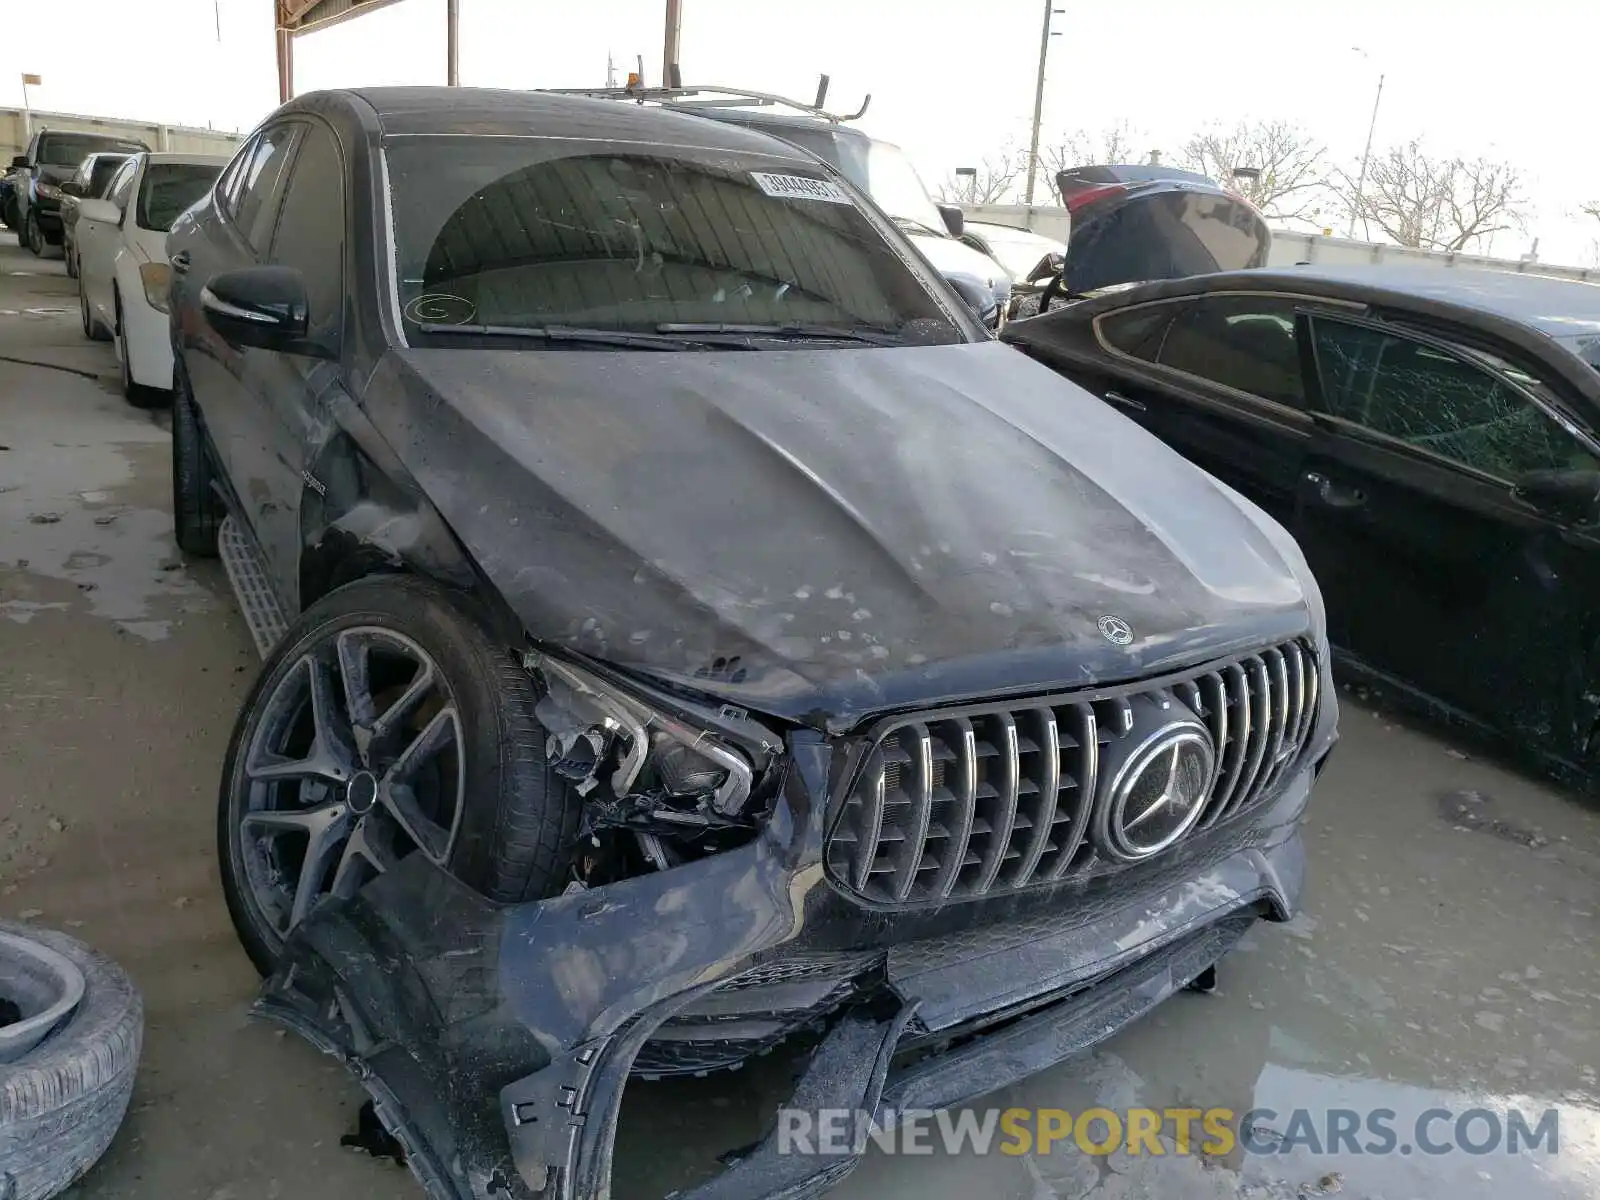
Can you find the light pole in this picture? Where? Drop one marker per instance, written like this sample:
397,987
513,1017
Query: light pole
1366,155
1038,100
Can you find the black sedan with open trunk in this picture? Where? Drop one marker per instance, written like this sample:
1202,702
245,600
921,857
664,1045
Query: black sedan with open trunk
688,634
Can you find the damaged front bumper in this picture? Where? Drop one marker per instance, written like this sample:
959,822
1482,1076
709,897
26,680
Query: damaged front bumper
496,1041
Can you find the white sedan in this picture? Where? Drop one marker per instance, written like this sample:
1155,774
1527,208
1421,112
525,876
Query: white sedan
123,273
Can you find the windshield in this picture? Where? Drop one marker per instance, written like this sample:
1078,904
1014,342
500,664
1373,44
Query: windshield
105,166
1586,346
496,235
885,173
169,188
70,149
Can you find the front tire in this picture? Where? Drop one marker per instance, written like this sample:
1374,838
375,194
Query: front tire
386,723
196,512
33,235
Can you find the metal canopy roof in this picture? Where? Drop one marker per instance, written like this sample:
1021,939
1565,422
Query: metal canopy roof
302,16
294,17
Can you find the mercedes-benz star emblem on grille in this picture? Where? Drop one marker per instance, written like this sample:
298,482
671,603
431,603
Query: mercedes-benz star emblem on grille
1158,794
1116,631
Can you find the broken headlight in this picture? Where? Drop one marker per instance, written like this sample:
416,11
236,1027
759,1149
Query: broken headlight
599,733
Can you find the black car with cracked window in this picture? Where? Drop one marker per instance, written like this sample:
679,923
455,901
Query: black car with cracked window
1432,439
687,634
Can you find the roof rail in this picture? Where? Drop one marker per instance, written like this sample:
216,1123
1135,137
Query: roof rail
718,97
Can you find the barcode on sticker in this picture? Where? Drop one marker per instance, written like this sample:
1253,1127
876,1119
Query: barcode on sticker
799,187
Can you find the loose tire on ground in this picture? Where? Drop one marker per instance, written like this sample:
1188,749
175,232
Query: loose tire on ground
518,819
62,1102
196,511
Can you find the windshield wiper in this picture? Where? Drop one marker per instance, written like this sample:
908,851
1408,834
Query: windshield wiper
798,333
563,333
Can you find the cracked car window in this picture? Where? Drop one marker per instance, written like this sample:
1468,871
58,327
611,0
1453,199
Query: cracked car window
530,232
1436,401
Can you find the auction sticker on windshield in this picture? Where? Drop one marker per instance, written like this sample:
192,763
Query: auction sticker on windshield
798,187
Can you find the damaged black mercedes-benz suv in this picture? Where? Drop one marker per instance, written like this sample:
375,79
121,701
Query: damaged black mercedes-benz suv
688,634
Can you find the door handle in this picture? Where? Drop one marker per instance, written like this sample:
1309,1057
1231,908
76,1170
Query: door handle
1335,495
1126,401
180,261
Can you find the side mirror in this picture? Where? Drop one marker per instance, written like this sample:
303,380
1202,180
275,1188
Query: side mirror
99,210
20,163
954,219
264,307
1050,266
1568,495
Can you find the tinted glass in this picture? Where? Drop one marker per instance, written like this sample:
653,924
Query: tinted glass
68,149
1243,342
1431,399
1586,346
258,185
310,235
885,173
519,232
100,176
121,185
1137,331
228,188
169,188
1163,234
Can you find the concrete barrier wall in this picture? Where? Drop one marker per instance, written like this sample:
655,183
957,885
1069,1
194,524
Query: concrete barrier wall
1290,247
176,138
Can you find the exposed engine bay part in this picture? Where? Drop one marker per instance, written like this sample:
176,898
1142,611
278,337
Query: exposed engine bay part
663,780
573,694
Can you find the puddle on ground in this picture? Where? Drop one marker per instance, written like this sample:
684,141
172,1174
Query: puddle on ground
81,510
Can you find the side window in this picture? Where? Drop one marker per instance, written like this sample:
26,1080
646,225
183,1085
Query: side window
1440,402
228,184
121,185
311,225
1137,331
260,184
1243,342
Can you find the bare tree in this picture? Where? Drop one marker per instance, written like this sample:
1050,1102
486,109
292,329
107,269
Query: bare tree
1590,208
1119,143
994,183
1288,170
1434,203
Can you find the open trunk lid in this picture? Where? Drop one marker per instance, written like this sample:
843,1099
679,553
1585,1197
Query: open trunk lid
1132,223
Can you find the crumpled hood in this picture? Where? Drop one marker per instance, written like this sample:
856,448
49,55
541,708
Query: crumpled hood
823,533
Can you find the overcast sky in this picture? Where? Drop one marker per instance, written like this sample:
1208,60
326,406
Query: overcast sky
951,79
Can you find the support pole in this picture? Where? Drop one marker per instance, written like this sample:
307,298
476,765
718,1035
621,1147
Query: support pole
669,49
1366,157
1038,105
452,40
285,65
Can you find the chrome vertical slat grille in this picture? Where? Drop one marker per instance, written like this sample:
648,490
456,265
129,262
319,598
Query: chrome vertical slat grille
996,798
